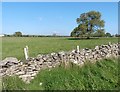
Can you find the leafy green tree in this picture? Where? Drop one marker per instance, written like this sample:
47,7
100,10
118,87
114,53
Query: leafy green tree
18,34
117,35
75,33
108,35
99,33
88,23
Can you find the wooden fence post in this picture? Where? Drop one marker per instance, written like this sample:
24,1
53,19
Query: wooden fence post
26,52
78,49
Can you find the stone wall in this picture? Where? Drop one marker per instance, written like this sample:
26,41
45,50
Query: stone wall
27,70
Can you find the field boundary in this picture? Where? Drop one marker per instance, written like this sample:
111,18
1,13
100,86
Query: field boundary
28,69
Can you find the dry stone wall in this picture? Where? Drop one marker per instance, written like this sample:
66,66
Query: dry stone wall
28,70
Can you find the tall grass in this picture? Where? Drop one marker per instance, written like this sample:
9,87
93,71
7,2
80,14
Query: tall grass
103,75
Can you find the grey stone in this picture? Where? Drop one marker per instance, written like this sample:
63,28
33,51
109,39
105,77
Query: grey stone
96,47
53,54
20,73
9,61
86,49
61,53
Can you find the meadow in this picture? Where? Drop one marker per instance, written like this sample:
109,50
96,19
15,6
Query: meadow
103,75
13,46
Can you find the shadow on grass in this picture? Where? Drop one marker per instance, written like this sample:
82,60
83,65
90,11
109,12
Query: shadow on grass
73,38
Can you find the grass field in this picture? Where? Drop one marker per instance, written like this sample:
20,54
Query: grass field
102,75
13,46
0,48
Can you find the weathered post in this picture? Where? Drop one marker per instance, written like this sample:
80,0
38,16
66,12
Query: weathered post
26,52
109,43
78,49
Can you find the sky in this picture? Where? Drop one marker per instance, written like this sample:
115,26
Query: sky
0,17
119,18
60,0
46,18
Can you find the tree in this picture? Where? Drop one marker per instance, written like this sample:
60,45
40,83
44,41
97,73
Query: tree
108,35
99,33
18,34
75,32
88,23
117,35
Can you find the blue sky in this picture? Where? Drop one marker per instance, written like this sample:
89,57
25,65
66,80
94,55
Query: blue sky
46,18
119,18
60,0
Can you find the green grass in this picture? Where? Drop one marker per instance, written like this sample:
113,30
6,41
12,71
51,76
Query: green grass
102,75
13,46
0,48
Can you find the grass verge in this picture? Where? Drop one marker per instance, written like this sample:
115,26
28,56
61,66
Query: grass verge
103,75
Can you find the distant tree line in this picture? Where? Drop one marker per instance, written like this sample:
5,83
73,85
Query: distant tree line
19,34
92,35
